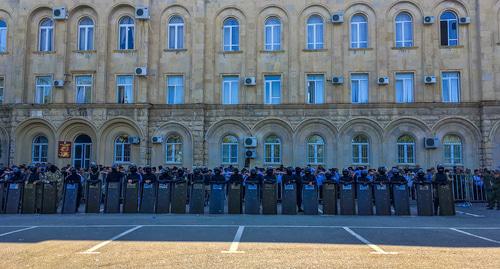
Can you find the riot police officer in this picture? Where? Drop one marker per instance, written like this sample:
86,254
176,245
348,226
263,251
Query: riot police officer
308,177
133,176
217,178
496,188
75,178
298,180
443,196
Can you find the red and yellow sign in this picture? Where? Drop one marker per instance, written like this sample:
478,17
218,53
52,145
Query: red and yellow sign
64,150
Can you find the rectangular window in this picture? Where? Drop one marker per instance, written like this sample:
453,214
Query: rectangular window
230,89
3,38
43,89
406,153
176,36
125,89
231,39
450,84
360,153
359,88
230,153
315,89
453,153
83,89
2,86
175,90
272,90
404,87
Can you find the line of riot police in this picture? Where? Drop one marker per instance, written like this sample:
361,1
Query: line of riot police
255,191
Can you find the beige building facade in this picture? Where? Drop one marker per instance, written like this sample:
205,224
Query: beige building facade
184,83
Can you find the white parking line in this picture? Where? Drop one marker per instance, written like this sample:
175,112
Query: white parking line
20,230
474,235
470,214
93,249
377,249
236,241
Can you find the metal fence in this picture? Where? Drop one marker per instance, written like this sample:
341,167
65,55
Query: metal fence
467,190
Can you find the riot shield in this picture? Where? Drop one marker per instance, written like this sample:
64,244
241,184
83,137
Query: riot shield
252,199
310,199
70,196
382,200
49,198
197,198
365,199
401,199
131,201
446,200
3,195
113,194
269,199
163,198
29,199
289,199
424,199
148,198
217,199
329,198
234,199
93,194
347,205
179,197
14,193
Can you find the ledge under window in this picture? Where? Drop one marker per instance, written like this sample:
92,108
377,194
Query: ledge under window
360,49
314,50
272,51
451,47
44,52
175,50
4,53
405,48
125,51
231,52
85,51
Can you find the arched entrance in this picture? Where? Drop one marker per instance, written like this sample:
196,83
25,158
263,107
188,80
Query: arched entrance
82,151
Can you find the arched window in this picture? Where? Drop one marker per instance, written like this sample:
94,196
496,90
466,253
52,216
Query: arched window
176,33
39,149
86,34
230,150
360,149
126,33
46,35
452,146
174,149
449,29
315,150
359,31
122,149
315,38
406,149
231,35
272,149
404,30
272,34
3,36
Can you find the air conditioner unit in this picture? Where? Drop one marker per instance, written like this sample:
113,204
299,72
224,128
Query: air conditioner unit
431,143
338,80
464,20
59,13
429,19
338,17
134,140
250,81
157,140
142,13
250,154
383,81
250,142
58,83
141,71
430,80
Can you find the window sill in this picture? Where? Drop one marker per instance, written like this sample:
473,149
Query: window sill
4,53
272,51
173,163
314,50
452,47
175,50
360,49
125,51
405,48
231,52
85,51
44,52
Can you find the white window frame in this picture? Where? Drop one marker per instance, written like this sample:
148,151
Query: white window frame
2,89
354,80
128,90
48,32
86,29
230,46
447,79
123,146
176,149
128,27
404,148
448,26
231,83
42,147
315,44
85,87
318,81
408,83
268,84
452,147
178,27
3,36
275,37
316,159
229,145
274,151
177,88
403,43
360,145
358,43
41,90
